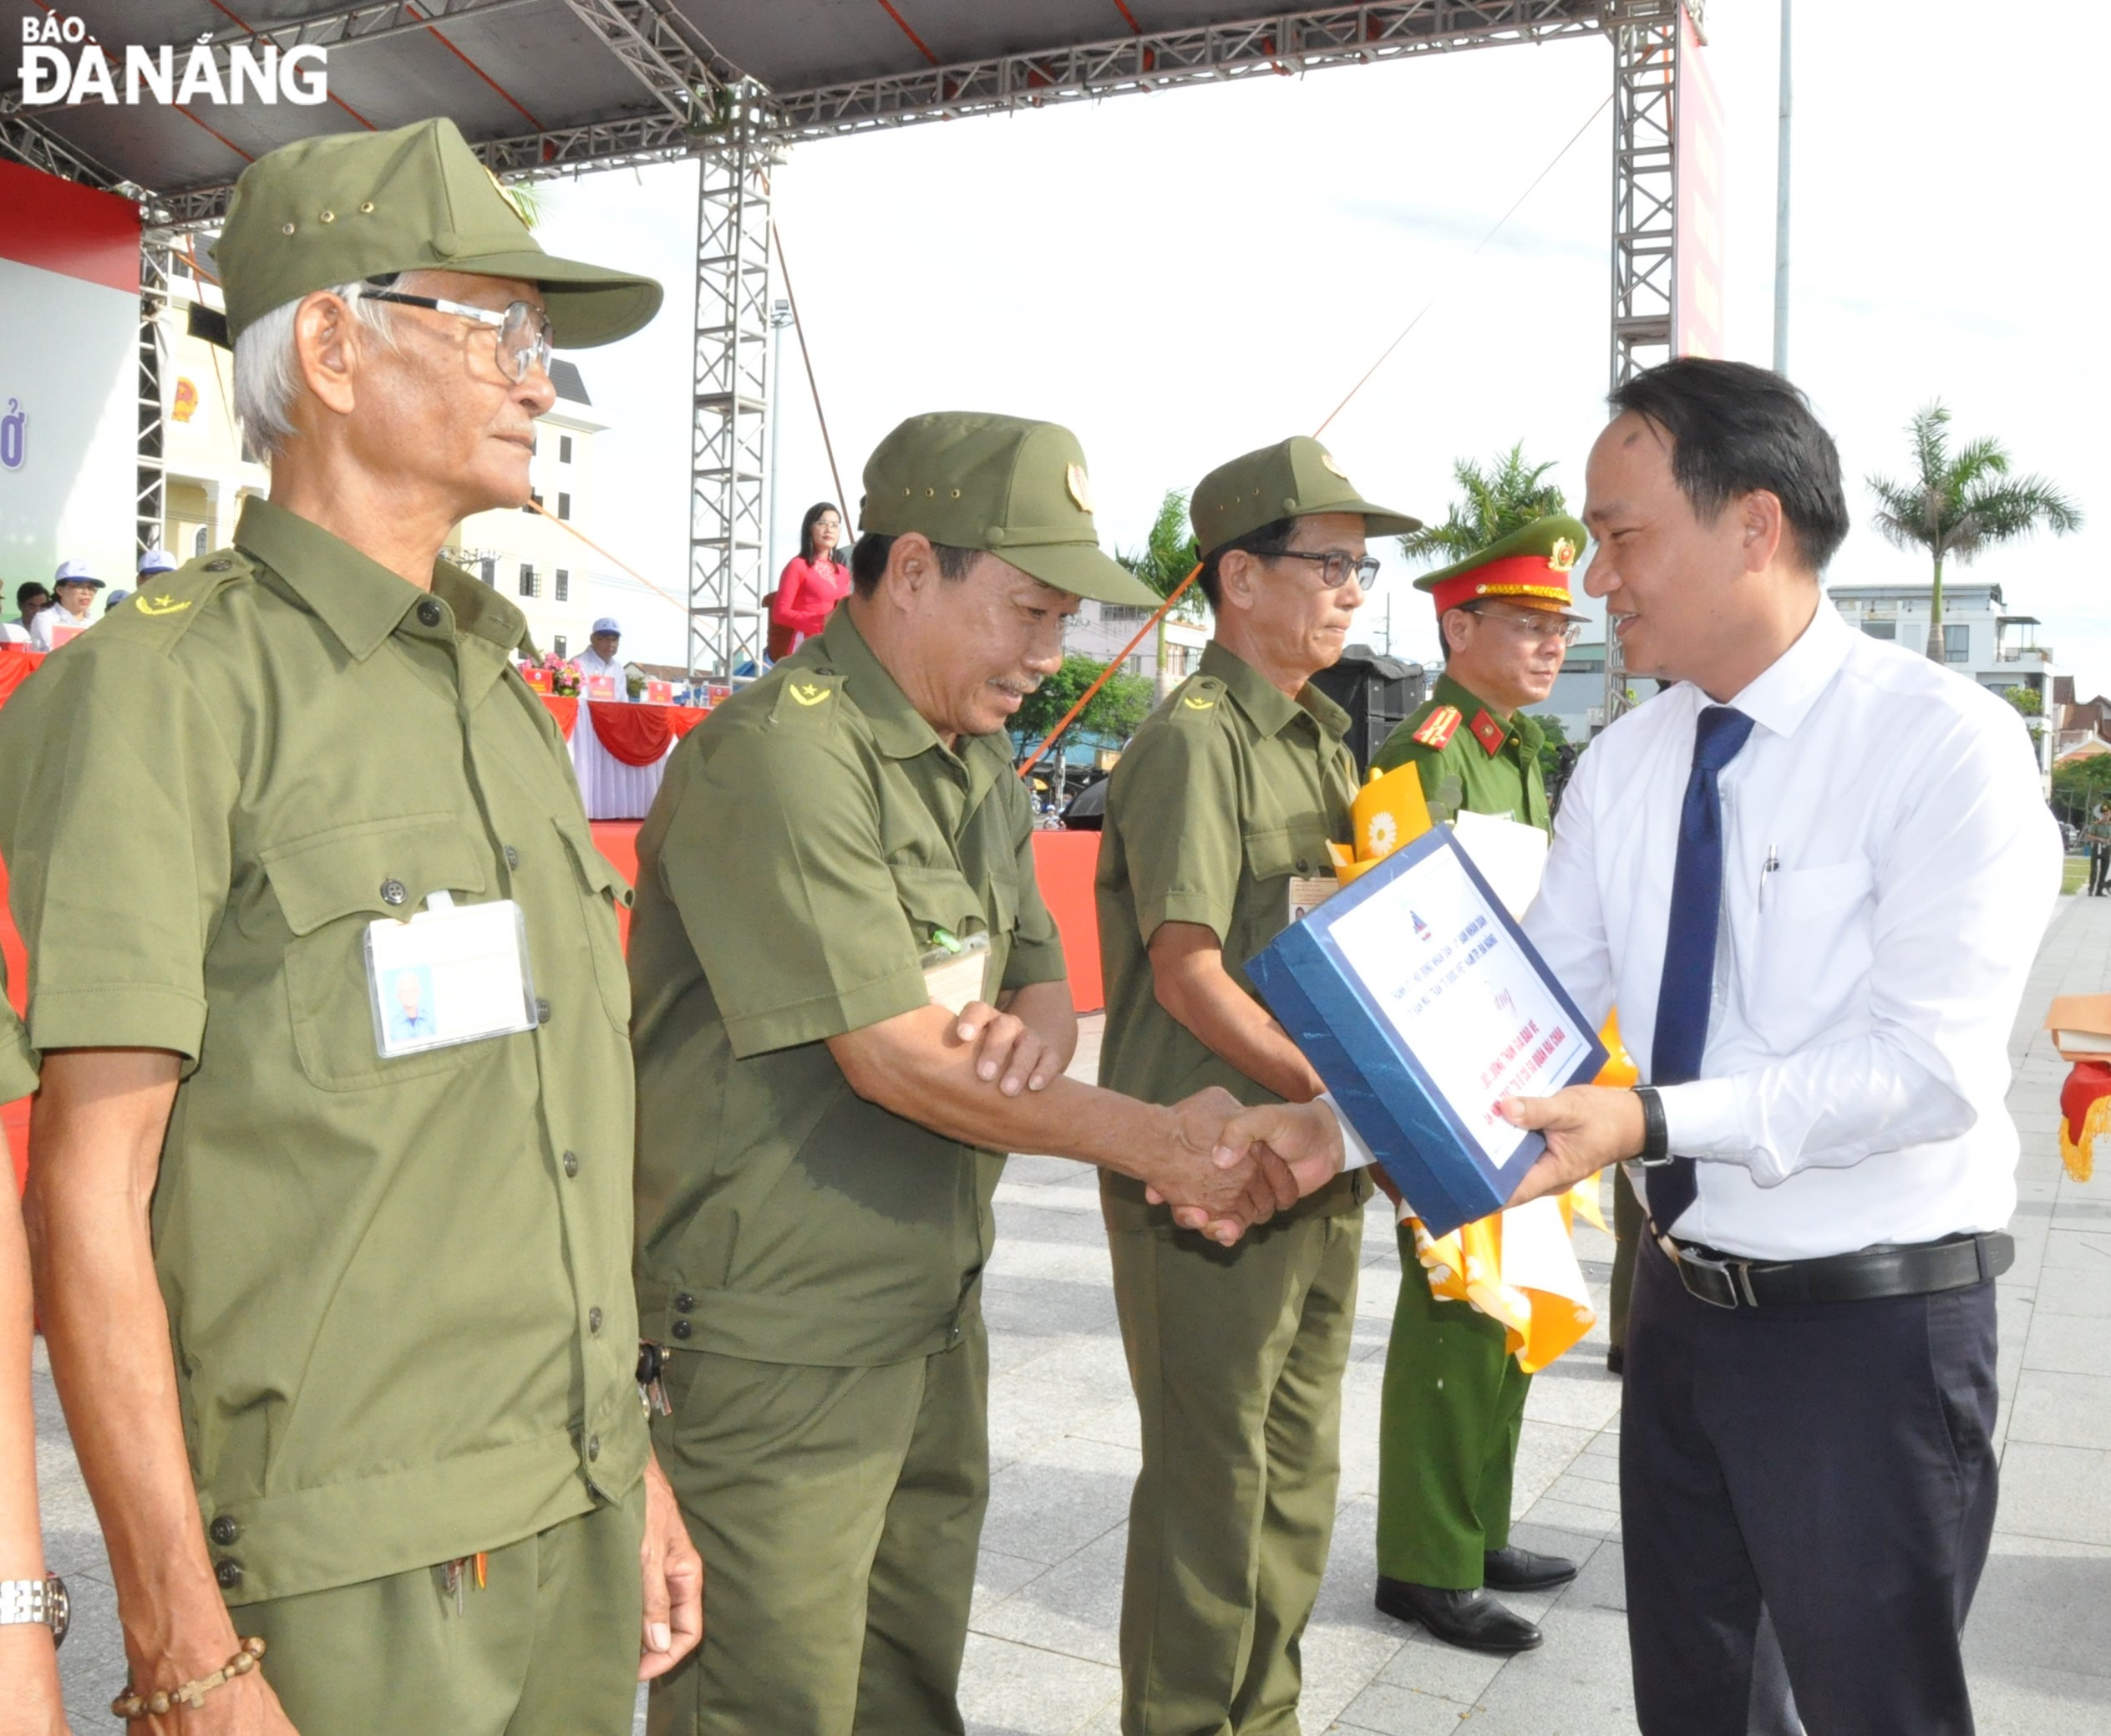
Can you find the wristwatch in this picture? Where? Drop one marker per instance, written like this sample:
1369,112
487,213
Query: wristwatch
1656,1131
40,1602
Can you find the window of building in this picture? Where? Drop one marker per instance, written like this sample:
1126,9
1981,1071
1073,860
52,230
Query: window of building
1121,611
535,500
528,581
1135,665
564,506
564,449
1881,629
488,570
562,591
198,542
558,645
1956,644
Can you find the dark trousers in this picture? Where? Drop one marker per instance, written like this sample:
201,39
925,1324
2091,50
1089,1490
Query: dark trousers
1832,1462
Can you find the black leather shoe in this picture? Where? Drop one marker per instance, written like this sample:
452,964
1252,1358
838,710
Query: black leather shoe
1616,1361
1470,1619
1519,1569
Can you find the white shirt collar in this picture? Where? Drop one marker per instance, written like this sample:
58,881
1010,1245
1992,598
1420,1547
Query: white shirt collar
1780,697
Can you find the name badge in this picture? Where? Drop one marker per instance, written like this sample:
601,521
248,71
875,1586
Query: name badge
453,973
1307,892
954,970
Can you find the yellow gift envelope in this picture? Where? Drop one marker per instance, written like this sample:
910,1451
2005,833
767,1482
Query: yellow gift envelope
1388,812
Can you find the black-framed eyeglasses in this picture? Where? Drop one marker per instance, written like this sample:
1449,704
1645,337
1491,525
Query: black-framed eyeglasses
525,337
1336,568
1538,626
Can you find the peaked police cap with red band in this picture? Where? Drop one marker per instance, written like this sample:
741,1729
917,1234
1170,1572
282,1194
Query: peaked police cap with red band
1529,567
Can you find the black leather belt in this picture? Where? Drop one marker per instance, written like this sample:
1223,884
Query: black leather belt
1730,1281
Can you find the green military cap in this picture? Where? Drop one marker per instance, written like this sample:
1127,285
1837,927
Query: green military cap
1529,567
1293,479
1015,488
334,209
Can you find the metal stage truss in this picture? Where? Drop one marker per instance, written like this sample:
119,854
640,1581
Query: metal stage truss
655,88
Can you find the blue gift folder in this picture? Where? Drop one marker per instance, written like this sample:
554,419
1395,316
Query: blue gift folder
1440,1165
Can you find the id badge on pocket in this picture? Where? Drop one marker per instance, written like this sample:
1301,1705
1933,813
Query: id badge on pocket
1308,893
954,970
453,973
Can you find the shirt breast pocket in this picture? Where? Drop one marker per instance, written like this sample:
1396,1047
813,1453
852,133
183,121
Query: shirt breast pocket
329,887
939,899
1816,944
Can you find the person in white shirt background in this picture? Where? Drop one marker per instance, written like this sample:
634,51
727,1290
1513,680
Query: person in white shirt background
72,594
1812,876
600,656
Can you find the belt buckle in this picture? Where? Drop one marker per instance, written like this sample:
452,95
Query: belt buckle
1719,1283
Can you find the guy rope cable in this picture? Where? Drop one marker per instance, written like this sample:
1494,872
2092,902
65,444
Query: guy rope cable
1181,590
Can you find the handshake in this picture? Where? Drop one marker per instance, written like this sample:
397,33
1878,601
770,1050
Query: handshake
1224,1168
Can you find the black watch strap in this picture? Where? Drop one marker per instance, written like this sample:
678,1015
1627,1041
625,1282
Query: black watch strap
1656,1131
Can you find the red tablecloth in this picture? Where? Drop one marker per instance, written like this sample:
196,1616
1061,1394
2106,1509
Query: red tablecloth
636,735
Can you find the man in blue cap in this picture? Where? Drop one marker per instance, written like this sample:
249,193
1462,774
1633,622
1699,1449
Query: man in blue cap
600,656
73,589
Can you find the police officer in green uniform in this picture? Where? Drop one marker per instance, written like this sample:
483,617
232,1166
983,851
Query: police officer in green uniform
851,1000
1455,1397
343,1324
1218,819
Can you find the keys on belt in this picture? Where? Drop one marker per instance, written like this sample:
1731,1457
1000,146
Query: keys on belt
1729,1280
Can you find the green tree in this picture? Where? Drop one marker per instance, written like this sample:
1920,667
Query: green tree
1115,711
1505,496
1554,736
1958,502
2079,783
2026,700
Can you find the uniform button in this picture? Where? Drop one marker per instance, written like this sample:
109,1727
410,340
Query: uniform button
571,1164
225,1530
229,1574
542,1011
393,891
593,1446
682,1329
593,1320
428,613
222,565
512,857
684,1303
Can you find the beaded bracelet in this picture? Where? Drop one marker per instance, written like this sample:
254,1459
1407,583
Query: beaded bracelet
132,1704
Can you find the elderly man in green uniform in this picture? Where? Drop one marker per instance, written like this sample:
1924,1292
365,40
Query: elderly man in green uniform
1218,821
1455,1397
343,1320
837,898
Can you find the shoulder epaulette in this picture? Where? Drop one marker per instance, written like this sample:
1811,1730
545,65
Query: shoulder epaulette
167,604
1438,726
1195,700
807,697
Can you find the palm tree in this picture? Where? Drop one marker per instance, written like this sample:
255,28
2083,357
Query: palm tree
1505,496
1960,503
1168,554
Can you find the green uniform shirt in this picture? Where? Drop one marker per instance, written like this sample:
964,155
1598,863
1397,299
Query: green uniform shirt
1504,781
17,1060
397,1289
1229,790
810,840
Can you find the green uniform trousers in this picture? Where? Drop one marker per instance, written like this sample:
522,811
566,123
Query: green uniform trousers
838,1511
1454,1407
1236,1357
548,1647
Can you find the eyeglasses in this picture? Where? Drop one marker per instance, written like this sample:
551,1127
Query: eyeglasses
1335,568
1540,628
525,337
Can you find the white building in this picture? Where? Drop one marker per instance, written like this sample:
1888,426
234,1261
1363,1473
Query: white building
1099,630
1996,649
210,471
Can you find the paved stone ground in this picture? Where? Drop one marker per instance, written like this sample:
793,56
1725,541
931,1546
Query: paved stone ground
1041,1661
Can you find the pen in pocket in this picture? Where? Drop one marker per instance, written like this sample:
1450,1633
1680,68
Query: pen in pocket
1767,870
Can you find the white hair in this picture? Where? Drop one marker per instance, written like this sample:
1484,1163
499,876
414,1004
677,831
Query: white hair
268,372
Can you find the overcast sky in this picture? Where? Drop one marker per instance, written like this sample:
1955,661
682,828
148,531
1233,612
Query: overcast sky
1183,276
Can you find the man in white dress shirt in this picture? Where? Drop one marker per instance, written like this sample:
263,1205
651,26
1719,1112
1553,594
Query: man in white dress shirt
600,657
1812,876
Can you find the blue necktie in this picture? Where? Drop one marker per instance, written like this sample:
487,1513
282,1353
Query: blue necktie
1688,985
